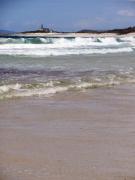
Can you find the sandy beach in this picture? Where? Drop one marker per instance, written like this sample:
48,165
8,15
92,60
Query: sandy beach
71,136
67,90
72,35
67,107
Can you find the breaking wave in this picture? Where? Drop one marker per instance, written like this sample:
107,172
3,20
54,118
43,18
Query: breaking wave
50,86
65,46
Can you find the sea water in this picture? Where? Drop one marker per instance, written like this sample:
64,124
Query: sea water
41,66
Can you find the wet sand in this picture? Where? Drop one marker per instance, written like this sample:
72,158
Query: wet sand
69,136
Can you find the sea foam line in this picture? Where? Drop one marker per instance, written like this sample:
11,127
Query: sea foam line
19,90
60,52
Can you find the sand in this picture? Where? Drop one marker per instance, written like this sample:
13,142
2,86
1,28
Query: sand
72,35
70,136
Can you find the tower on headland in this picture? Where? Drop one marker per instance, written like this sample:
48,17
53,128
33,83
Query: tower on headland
47,30
41,26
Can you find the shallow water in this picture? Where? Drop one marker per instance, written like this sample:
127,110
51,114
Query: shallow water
44,66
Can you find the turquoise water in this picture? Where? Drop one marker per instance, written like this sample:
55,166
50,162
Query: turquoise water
43,66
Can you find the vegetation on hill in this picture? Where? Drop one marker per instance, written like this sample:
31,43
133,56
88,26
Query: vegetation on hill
117,31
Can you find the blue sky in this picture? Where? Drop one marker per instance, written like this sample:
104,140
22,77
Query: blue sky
66,15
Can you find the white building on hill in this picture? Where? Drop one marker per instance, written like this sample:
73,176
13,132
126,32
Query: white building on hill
47,30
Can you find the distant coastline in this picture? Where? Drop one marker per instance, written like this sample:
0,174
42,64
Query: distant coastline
130,31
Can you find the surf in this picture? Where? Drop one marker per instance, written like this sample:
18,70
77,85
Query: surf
65,46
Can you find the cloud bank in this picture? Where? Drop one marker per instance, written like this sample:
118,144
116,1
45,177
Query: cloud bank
84,23
29,23
127,12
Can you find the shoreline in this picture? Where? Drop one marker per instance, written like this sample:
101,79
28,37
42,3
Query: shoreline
69,136
70,35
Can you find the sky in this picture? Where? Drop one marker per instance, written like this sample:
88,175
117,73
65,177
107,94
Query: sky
66,15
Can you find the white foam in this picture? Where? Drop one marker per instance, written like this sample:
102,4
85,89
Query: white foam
41,50
109,41
7,88
73,46
128,39
36,92
51,87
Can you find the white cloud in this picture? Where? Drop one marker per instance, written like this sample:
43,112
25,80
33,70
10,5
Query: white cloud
29,23
127,12
90,24
8,23
84,23
132,0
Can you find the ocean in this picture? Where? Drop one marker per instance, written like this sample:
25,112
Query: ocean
44,66
67,108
